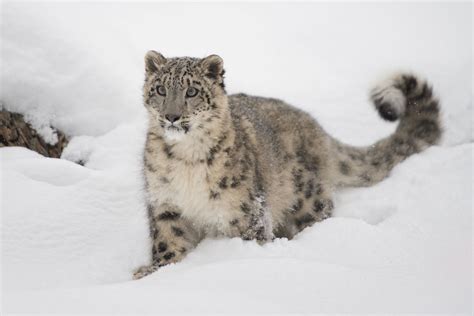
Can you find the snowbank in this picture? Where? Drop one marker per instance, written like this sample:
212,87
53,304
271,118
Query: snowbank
72,235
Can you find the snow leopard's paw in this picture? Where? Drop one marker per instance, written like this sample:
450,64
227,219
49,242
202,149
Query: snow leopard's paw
144,271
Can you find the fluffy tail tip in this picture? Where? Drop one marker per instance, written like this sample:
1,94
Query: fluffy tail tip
390,95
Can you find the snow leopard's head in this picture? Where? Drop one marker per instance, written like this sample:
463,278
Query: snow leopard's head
184,95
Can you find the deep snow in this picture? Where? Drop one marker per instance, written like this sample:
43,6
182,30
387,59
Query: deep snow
72,235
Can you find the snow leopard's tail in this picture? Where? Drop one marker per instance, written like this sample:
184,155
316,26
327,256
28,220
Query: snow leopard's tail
404,97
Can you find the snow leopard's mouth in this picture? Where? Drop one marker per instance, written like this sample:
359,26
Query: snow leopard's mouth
174,128
175,133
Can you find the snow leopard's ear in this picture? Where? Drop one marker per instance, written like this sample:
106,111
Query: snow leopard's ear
153,61
213,67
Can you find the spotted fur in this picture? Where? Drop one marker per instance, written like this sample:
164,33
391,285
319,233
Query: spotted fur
251,167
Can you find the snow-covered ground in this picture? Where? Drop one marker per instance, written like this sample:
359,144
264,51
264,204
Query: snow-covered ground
72,235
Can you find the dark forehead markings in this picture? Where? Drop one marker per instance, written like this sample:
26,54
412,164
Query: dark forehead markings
178,74
181,64
182,72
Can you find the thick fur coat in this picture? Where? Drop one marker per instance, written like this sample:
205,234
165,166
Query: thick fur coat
253,167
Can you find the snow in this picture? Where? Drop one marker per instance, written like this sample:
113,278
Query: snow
72,234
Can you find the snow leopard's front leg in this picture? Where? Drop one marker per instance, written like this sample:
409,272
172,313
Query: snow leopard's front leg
172,237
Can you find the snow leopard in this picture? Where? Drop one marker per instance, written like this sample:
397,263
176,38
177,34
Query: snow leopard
256,168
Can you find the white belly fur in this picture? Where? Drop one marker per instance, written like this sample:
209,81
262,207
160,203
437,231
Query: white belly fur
189,190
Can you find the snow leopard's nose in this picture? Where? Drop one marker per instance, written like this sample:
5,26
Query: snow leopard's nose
172,117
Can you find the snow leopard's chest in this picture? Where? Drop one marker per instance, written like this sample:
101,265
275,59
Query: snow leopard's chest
191,187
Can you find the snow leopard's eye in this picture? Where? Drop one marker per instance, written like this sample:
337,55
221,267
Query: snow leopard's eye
161,90
191,92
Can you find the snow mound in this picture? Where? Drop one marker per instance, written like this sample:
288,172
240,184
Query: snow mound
93,235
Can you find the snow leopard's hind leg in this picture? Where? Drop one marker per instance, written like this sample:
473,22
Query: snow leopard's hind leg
172,237
311,191
314,204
